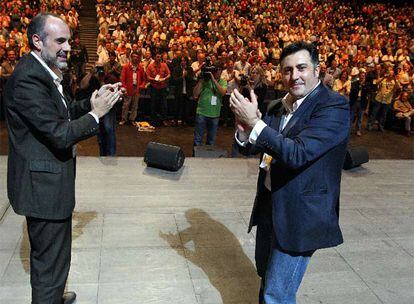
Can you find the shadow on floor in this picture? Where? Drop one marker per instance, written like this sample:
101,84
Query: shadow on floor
218,253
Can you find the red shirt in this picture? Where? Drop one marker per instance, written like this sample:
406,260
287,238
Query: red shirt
160,69
127,78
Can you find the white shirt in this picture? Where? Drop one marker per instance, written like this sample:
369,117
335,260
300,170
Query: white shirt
57,81
260,125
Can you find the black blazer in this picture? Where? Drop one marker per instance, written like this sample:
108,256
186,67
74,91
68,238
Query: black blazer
353,95
42,132
177,80
307,158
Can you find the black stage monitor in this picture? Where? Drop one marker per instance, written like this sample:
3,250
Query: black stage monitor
162,156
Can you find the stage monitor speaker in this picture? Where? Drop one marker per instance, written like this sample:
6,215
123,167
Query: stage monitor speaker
209,152
162,156
355,157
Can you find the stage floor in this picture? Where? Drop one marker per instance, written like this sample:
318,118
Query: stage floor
141,235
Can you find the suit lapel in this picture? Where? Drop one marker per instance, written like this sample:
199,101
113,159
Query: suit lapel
56,96
275,112
302,109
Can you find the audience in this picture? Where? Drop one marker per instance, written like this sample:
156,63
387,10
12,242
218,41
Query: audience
375,39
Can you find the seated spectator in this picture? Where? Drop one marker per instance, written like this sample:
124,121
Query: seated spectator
405,111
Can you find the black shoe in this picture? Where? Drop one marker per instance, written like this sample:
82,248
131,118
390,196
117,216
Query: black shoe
69,297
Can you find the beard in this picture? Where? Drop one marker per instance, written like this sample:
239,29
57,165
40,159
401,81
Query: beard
52,60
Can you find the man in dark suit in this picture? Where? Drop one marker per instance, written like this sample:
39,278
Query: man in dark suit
302,140
43,126
358,98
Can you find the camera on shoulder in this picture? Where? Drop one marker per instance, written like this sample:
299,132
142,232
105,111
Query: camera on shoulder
243,80
207,69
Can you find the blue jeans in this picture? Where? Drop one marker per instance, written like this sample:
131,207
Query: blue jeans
201,124
283,277
281,271
107,135
379,110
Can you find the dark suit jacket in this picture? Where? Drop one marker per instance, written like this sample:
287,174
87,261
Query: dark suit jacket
305,171
41,167
177,80
353,95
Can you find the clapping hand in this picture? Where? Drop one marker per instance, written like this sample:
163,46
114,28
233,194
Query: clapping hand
245,111
104,99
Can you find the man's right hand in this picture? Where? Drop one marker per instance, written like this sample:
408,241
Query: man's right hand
103,103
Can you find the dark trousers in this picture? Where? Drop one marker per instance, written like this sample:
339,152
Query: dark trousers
158,101
379,111
181,110
357,112
226,113
261,94
50,253
107,134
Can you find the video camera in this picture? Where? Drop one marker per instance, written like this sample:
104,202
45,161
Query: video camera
244,79
207,69
100,69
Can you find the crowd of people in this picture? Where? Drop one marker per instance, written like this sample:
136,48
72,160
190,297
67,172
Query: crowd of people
201,52
15,16
366,51
167,49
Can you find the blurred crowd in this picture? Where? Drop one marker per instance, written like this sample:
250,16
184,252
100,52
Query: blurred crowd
366,50
163,51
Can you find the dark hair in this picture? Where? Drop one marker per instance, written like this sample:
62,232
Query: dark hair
37,27
111,54
299,46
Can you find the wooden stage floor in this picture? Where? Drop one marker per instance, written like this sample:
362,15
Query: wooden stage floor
143,235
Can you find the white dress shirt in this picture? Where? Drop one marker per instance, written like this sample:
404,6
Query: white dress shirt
58,82
260,125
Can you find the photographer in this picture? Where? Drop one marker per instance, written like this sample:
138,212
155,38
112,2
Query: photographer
210,92
107,123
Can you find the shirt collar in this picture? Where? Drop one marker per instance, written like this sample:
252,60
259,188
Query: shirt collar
55,77
297,103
